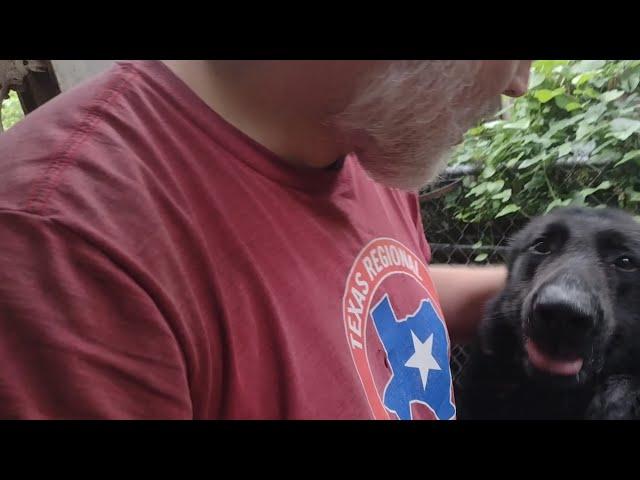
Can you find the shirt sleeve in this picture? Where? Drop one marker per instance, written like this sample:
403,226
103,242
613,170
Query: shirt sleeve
79,338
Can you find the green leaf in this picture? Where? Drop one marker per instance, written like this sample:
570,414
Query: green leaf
511,208
557,203
527,140
478,203
477,245
512,163
607,155
535,182
481,257
488,171
545,95
611,95
634,197
477,190
532,137
588,92
519,125
602,146
564,149
599,82
503,196
559,125
584,193
584,129
531,161
546,66
587,66
561,100
493,124
495,186
623,128
462,158
631,82
583,78
535,79
628,156
571,106
594,112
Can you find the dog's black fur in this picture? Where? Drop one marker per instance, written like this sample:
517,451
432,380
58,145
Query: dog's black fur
574,289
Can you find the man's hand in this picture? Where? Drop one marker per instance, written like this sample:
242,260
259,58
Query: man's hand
464,292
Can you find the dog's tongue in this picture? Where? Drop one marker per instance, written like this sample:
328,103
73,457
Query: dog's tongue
559,367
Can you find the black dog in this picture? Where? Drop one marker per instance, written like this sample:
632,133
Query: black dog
562,341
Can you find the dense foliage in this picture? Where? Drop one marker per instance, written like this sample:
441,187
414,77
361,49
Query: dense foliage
573,139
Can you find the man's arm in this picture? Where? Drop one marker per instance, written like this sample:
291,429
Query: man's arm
79,338
464,292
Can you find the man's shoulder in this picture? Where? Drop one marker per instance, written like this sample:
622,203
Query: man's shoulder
89,159
70,130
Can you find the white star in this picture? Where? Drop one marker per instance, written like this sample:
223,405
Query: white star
422,359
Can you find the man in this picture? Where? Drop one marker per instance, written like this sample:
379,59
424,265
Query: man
237,239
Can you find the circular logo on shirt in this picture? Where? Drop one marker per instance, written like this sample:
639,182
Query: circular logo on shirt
396,333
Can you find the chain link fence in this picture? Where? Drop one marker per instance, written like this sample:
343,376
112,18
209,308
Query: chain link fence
455,242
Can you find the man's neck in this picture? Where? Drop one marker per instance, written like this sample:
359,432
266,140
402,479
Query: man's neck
256,104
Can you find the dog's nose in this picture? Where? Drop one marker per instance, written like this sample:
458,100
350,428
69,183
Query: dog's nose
563,318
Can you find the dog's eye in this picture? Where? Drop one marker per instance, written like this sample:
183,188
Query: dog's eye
625,264
541,247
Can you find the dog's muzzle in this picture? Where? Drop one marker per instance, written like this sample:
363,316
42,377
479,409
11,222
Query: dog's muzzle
561,325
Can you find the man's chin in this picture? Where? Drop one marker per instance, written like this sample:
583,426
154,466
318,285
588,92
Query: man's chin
407,179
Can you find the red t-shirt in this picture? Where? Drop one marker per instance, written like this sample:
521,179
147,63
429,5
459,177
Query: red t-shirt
155,262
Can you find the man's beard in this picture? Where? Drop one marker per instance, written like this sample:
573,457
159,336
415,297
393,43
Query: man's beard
404,122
